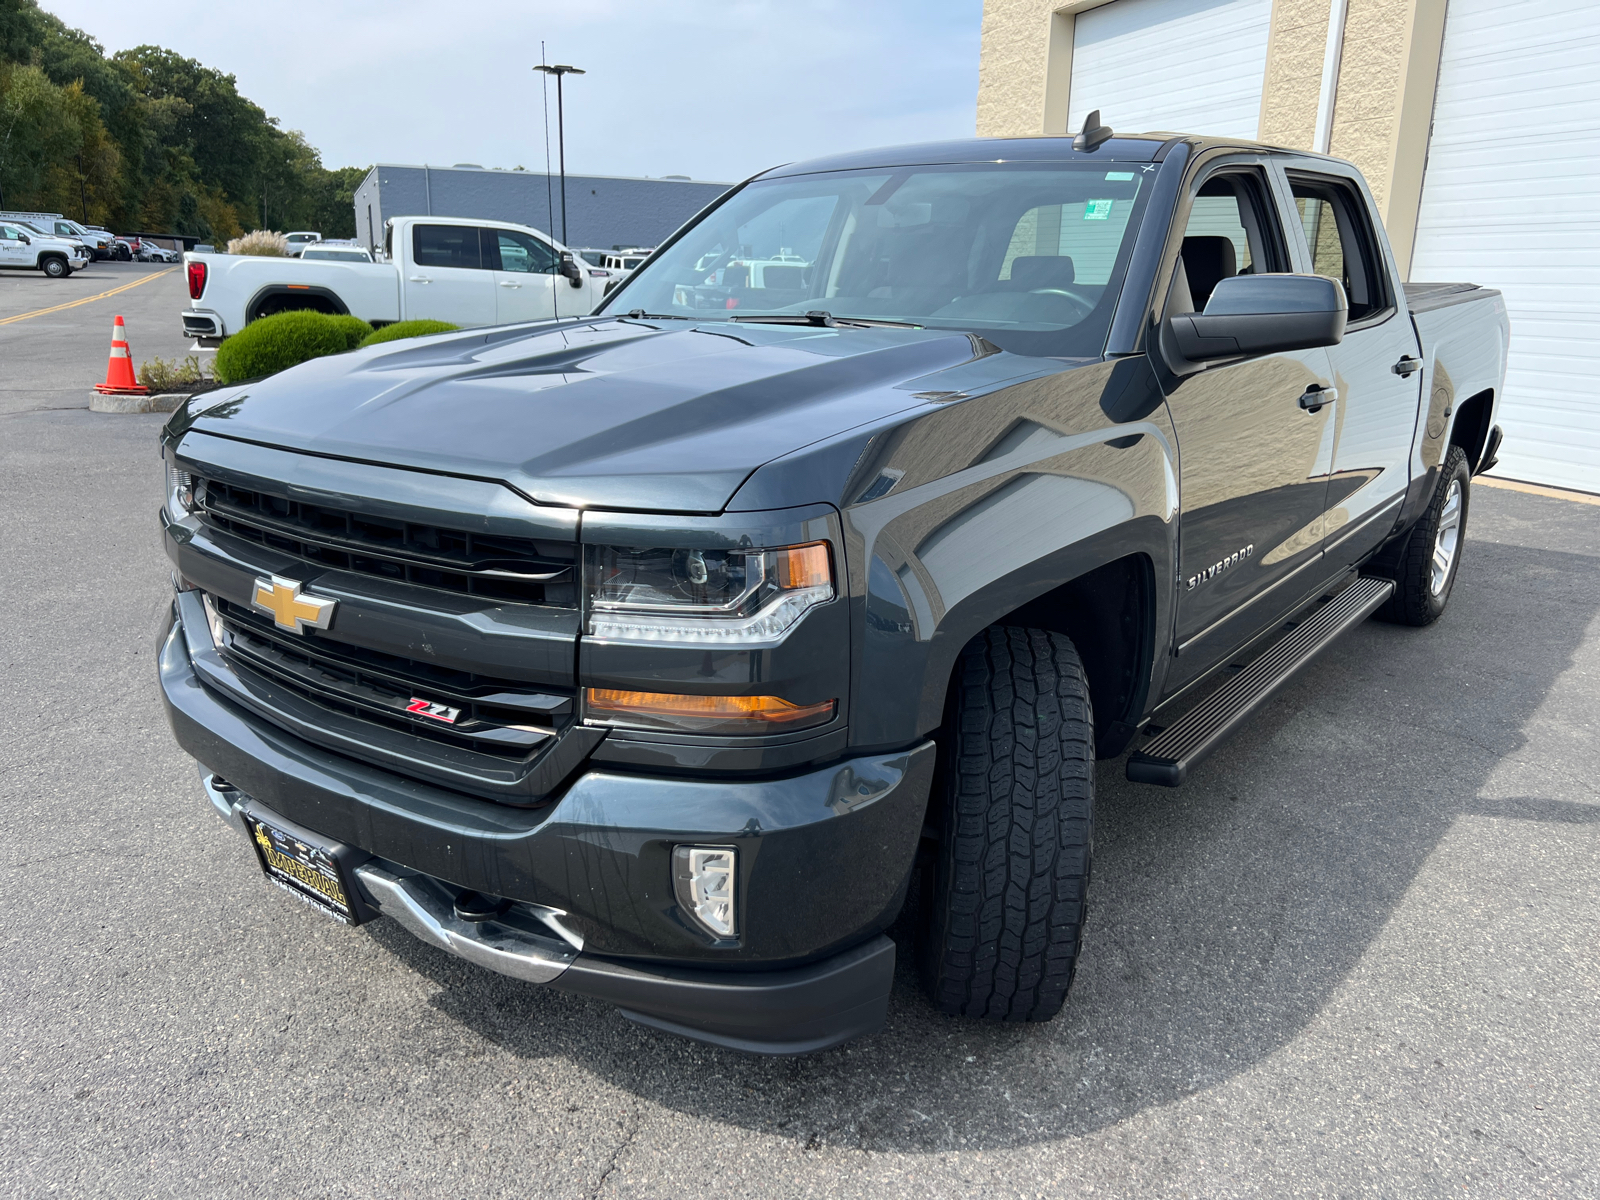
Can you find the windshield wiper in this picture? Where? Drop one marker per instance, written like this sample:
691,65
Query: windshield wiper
821,319
639,314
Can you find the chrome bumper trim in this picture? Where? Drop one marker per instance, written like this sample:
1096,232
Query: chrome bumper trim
226,800
487,944
432,919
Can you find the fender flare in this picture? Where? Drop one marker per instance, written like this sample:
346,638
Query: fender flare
252,310
920,669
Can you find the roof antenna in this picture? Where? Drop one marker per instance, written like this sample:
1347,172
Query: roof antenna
1092,134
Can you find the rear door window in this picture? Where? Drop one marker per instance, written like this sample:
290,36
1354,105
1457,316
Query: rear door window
446,246
1340,241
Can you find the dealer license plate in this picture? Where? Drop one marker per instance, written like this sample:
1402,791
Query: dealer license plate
301,864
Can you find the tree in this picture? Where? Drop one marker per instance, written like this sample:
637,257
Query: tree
150,140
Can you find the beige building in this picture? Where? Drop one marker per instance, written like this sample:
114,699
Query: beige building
1476,122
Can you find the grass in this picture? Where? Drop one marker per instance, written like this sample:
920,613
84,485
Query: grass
173,375
262,243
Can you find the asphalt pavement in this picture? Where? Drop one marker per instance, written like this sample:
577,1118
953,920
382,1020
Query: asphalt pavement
1357,955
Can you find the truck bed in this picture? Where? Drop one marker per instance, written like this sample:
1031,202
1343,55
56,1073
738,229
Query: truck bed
1425,297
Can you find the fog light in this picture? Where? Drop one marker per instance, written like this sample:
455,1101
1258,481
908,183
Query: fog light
705,879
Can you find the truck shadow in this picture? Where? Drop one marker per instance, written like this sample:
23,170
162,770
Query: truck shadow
1225,915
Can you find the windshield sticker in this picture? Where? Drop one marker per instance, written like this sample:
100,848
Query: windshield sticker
1097,210
1120,176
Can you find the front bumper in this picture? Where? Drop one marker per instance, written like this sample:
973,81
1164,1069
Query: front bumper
824,860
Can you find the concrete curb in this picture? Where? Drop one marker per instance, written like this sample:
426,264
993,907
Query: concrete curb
165,403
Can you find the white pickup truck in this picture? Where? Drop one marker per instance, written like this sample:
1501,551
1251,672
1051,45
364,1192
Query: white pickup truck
447,269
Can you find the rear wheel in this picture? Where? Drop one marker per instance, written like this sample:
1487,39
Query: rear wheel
1425,563
1005,894
56,268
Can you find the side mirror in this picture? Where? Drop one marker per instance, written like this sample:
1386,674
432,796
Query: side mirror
1262,314
569,267
26,240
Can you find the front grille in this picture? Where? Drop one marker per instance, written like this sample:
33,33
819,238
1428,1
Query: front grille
520,570
506,718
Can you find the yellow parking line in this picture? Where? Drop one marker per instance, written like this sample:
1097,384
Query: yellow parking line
39,312
1537,489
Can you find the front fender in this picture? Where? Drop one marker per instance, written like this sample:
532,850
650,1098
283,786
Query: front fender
994,502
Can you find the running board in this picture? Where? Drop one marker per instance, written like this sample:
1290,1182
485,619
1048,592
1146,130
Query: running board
1167,757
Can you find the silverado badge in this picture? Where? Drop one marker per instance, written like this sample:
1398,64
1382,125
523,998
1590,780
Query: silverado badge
280,599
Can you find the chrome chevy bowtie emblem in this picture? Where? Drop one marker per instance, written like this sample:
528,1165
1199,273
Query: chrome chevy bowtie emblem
282,600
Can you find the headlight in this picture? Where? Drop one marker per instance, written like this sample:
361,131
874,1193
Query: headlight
180,492
705,597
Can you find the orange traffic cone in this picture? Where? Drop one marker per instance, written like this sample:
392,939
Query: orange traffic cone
120,380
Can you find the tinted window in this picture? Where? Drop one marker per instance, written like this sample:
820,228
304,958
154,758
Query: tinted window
446,246
519,252
1231,230
1341,241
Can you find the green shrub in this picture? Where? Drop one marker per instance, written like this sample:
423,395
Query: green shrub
283,340
356,331
172,375
408,329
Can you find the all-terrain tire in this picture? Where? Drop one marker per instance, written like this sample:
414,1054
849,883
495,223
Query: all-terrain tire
1421,593
1005,894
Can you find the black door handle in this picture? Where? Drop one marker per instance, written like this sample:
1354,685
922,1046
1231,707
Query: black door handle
1315,396
1407,366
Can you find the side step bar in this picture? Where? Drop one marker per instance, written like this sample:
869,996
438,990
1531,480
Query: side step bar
1166,758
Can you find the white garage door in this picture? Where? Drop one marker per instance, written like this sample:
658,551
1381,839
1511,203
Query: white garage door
1511,199
1192,66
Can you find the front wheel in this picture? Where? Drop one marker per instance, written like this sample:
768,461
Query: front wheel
1005,895
1424,569
56,268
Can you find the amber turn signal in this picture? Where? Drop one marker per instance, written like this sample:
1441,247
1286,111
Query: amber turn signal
801,567
705,714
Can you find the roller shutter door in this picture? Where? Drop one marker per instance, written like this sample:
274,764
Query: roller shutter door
1192,66
1511,199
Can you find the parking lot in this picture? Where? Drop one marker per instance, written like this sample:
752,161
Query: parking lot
1358,954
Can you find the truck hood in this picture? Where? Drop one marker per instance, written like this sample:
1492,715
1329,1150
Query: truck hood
648,416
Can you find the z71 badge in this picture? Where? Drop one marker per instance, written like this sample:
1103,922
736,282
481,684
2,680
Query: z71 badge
433,710
1216,569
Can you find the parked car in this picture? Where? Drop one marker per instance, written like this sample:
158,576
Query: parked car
449,269
625,260
122,249
653,655
299,240
336,252
43,229
96,241
25,248
152,251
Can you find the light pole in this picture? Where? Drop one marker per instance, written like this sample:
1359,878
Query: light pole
561,135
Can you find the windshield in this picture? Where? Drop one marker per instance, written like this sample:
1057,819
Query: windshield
1030,255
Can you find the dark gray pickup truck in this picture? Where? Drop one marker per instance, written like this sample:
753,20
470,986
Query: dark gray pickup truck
651,655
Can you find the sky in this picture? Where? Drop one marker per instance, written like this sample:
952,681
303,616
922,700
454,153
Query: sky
712,89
